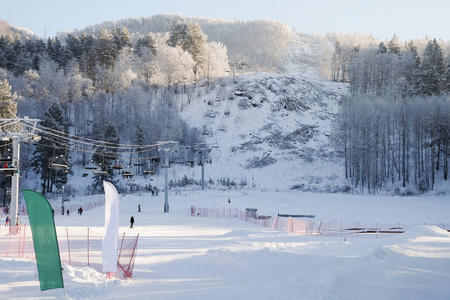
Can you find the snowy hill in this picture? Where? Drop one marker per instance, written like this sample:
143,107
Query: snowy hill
272,131
266,132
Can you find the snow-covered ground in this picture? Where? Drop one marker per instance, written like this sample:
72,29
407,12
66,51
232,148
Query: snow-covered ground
185,257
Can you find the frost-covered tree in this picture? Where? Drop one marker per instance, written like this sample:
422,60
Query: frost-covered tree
190,38
121,38
146,42
175,66
394,45
215,61
8,107
431,70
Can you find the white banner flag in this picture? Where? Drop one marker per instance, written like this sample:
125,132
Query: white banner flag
110,238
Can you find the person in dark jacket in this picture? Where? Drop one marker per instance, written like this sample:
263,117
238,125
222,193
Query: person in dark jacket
131,221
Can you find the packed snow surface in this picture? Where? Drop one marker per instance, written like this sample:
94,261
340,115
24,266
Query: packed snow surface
185,257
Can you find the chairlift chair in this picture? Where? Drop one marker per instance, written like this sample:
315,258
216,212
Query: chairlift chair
151,172
128,173
102,171
58,163
103,168
154,159
8,166
91,166
117,166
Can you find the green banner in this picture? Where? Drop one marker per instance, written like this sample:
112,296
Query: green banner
45,240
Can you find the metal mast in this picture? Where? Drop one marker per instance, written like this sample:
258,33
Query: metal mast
18,130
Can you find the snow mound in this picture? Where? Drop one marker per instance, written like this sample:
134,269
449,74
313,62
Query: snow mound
425,231
421,243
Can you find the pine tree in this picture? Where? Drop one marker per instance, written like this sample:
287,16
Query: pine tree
446,80
146,42
382,48
106,48
121,39
140,140
105,155
431,70
394,45
51,146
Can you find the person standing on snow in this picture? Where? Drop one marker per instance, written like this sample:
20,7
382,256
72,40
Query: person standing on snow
131,221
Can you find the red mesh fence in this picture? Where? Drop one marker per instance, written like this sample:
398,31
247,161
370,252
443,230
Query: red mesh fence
77,247
127,255
302,227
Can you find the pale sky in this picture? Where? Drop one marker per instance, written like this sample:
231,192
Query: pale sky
408,19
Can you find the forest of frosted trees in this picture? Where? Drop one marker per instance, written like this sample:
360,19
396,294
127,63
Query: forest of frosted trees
394,126
128,80
104,83
111,83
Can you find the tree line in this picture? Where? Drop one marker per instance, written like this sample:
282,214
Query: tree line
107,87
393,127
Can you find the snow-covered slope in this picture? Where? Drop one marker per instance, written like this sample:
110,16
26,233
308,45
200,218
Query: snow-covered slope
272,131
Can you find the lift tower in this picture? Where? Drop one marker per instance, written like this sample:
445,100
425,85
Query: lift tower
16,130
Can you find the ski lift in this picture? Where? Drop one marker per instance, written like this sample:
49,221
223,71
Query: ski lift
150,171
221,127
58,163
117,166
180,160
91,165
8,166
103,168
215,145
190,163
128,173
154,159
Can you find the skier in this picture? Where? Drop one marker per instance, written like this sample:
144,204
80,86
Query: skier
139,208
131,221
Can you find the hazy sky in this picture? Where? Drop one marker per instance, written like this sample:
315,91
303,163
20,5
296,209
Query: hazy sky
408,19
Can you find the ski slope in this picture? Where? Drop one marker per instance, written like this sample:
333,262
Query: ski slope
185,257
